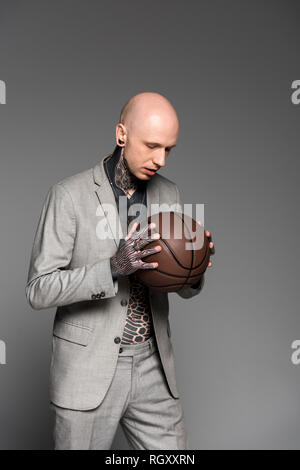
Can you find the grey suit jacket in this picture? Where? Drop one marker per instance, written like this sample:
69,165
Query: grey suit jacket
70,270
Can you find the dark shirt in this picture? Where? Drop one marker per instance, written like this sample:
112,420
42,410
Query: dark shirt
140,194
139,325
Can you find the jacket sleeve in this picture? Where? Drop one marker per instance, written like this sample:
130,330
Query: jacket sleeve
191,291
51,283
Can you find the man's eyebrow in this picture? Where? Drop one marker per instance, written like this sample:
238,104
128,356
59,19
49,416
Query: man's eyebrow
156,143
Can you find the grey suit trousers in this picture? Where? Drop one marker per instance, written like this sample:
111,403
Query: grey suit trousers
138,398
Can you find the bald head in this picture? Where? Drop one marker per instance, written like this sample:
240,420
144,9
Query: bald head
139,109
149,128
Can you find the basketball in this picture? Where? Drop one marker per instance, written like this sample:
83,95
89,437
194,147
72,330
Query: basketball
184,256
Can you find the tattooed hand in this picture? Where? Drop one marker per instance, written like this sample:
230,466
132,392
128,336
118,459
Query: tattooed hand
127,259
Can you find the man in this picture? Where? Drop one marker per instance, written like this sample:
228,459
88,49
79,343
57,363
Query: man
112,358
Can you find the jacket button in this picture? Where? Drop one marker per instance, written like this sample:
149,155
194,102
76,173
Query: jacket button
121,350
97,296
93,296
123,302
102,294
117,340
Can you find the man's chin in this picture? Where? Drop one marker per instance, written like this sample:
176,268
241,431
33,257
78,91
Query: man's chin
143,176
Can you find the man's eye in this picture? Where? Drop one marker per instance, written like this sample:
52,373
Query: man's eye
155,146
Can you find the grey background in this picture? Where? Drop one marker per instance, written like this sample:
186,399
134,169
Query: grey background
227,67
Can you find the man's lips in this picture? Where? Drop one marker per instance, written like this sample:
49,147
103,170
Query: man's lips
150,170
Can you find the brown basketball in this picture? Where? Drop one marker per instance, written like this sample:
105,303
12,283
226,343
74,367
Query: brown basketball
184,255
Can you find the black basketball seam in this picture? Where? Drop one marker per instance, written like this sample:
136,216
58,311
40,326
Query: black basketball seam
190,276
207,248
167,285
174,256
178,275
176,214
175,275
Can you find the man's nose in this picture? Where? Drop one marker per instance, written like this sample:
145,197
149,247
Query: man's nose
160,160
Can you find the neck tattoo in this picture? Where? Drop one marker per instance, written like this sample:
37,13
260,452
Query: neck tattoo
124,179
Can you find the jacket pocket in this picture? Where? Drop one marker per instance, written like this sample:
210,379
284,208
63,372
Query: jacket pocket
73,333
